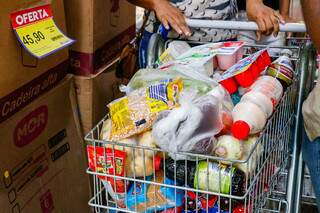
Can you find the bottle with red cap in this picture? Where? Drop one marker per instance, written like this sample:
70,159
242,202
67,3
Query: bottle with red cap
255,107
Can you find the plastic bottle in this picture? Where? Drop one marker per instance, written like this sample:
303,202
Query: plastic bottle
248,119
282,69
270,87
260,100
174,50
196,176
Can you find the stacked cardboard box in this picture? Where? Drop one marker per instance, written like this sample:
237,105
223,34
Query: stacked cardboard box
101,28
21,74
42,160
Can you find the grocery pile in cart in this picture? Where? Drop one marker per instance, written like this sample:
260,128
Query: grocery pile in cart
206,129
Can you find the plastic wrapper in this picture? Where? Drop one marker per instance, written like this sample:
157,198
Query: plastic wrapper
189,128
136,112
229,148
248,146
143,197
109,161
192,80
135,166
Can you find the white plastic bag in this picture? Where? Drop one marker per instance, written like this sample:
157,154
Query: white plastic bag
190,128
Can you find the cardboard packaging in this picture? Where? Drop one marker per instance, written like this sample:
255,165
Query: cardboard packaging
42,160
101,28
18,68
93,95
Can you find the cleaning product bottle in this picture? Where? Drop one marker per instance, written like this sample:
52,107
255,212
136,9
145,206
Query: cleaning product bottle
282,68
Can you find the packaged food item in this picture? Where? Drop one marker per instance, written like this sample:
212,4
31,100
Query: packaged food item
205,58
282,69
199,202
112,162
229,54
192,80
139,162
136,112
143,197
248,145
229,148
218,176
248,119
174,50
246,71
189,128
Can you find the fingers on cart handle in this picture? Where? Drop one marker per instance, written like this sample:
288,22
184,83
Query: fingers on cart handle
243,25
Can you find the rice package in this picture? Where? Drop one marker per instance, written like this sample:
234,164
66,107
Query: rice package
136,112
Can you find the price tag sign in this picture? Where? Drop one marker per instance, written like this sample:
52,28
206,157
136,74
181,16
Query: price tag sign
37,31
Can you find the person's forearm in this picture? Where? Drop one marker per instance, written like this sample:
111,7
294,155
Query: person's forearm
147,4
284,7
311,13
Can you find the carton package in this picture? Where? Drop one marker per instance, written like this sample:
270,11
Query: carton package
18,68
101,28
42,160
93,95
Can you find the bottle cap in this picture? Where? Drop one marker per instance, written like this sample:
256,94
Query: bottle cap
240,130
157,162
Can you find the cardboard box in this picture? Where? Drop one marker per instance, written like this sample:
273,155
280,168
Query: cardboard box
93,95
17,67
101,28
42,160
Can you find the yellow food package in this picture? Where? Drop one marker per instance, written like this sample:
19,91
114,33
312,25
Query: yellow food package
136,112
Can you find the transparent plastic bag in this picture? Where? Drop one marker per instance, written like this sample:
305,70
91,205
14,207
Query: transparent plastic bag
135,166
189,128
192,79
136,112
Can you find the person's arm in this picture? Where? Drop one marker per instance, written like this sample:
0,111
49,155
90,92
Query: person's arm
266,18
284,8
311,14
167,14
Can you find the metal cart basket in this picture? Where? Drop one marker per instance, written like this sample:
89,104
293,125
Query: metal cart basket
270,157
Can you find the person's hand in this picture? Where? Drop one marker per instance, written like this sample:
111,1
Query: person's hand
171,16
267,19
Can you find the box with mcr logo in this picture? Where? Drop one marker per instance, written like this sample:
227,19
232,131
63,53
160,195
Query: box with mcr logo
42,160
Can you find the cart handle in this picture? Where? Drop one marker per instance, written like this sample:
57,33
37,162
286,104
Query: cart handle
243,25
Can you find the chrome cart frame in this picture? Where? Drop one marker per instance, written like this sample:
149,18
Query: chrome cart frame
270,156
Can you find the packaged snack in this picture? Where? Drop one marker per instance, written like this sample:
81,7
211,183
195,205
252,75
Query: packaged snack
112,162
229,54
135,166
142,197
246,71
136,112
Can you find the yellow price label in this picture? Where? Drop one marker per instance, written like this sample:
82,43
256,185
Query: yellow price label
37,31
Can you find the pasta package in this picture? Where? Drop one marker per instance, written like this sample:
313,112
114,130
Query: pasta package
136,112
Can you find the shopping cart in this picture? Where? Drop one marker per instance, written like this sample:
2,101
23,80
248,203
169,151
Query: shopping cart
222,192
